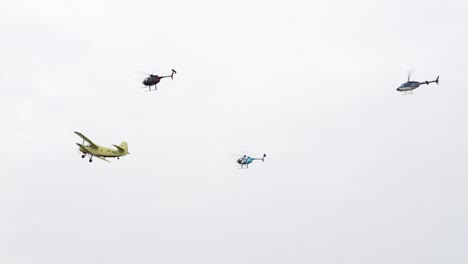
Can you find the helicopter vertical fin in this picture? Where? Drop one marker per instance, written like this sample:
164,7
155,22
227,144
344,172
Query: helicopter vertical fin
172,74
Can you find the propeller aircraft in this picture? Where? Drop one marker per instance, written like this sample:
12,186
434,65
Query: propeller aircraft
409,86
153,80
100,152
246,160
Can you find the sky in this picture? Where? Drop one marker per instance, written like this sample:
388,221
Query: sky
355,172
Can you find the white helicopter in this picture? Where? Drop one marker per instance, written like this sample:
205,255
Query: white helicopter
246,160
409,86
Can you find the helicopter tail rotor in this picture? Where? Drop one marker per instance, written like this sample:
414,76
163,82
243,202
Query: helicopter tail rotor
172,74
263,158
437,80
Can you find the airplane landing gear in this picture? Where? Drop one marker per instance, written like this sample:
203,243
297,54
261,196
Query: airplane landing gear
83,156
91,160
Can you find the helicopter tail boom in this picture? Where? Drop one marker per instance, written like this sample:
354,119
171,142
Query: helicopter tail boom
435,81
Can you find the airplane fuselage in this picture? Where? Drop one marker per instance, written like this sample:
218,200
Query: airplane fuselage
101,151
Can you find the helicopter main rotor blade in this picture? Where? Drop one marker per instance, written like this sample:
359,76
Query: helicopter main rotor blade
409,73
143,73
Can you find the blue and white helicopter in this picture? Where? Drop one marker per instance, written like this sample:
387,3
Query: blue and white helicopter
246,160
409,86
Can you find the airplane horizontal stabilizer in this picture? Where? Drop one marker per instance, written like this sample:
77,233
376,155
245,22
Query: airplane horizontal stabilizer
119,148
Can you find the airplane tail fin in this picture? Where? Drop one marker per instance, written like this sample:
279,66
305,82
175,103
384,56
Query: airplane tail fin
172,74
123,147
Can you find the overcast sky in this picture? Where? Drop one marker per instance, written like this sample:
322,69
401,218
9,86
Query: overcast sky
355,172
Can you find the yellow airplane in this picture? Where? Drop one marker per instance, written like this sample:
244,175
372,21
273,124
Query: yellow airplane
101,152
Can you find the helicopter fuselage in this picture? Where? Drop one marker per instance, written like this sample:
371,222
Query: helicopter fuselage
152,80
245,160
408,86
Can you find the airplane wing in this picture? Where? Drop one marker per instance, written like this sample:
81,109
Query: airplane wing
99,157
86,139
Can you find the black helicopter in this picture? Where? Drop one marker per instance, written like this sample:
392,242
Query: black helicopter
153,80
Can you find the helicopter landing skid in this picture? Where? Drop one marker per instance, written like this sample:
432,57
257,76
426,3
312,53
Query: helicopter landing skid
408,93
